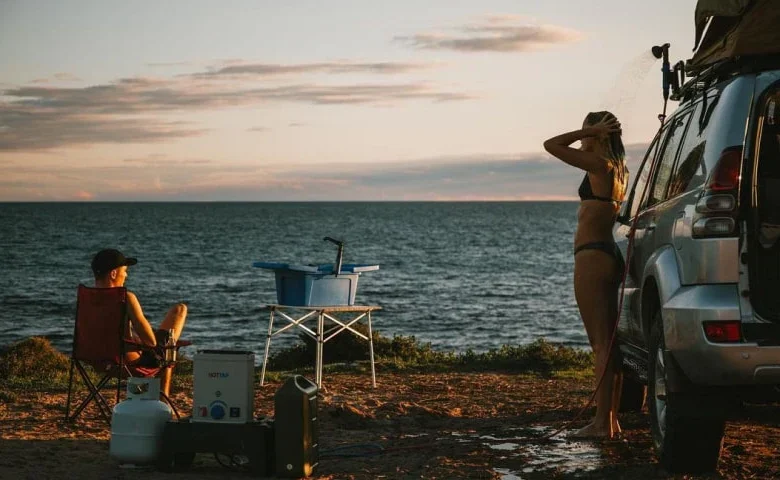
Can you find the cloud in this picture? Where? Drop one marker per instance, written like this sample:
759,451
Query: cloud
257,129
507,33
159,160
84,195
159,178
270,69
129,109
169,64
34,127
58,77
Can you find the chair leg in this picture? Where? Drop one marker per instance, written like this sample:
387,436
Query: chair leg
94,394
118,384
70,388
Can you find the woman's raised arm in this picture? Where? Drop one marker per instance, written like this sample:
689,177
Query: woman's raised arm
558,146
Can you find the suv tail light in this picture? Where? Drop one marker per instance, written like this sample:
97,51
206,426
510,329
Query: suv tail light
727,171
723,332
717,205
713,226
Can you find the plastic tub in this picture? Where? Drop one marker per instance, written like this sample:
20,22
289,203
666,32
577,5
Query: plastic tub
307,285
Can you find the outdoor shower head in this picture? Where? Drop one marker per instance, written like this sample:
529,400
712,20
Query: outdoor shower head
658,50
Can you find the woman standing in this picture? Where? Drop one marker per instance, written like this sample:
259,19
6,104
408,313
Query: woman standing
598,265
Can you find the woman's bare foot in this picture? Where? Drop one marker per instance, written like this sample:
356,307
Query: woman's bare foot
616,430
593,431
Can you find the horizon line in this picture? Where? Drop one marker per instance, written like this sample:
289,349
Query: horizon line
87,202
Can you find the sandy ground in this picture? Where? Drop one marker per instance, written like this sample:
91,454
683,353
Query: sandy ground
435,426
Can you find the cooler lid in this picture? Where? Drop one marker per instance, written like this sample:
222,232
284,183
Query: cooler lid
286,266
323,268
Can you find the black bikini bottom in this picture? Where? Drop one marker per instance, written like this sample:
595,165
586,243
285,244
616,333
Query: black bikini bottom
610,248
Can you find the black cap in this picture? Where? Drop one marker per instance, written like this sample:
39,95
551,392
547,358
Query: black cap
106,260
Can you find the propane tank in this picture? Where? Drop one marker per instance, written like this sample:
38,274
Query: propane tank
138,422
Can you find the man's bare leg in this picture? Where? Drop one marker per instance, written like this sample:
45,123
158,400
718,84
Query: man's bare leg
174,319
165,381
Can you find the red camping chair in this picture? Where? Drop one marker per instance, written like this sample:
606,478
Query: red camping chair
99,342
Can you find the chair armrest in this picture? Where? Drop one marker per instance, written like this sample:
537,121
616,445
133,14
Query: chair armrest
138,346
141,346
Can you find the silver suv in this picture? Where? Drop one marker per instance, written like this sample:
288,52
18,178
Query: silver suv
700,323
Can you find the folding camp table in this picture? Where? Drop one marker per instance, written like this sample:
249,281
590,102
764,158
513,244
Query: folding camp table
299,315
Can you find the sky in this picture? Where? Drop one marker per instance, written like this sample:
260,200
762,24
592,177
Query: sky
309,100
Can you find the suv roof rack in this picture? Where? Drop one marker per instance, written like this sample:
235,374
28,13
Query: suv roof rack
723,70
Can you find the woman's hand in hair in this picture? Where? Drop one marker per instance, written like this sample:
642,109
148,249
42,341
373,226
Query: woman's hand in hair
604,127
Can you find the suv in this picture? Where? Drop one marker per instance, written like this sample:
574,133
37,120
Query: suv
700,323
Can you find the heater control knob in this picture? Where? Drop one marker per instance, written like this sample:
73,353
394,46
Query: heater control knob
217,412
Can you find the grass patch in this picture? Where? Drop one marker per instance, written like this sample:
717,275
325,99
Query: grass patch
34,364
406,353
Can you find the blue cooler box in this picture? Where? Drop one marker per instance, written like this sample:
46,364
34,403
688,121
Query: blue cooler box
307,285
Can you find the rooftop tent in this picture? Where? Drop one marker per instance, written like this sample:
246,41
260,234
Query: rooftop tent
738,28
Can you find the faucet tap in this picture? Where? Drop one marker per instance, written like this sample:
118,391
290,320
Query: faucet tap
339,254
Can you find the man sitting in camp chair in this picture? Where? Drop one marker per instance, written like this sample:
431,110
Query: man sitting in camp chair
110,269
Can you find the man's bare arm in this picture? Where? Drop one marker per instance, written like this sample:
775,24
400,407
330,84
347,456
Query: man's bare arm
140,323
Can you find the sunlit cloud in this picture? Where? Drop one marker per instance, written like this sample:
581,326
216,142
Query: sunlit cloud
169,64
37,127
498,33
84,195
270,69
132,110
57,77
161,178
159,160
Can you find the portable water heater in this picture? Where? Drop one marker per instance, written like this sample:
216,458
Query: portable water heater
223,386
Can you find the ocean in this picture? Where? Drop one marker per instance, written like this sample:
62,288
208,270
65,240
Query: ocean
470,275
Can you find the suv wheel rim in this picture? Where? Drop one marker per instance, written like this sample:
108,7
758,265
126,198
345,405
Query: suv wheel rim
660,392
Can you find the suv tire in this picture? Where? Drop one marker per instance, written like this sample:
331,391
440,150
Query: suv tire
686,438
632,395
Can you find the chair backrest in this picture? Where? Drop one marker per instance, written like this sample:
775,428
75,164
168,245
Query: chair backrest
101,317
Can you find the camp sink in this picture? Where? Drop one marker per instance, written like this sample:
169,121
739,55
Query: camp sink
307,285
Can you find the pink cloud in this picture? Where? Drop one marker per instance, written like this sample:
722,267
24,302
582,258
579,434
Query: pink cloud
83,195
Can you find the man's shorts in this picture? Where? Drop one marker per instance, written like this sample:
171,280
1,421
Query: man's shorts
153,357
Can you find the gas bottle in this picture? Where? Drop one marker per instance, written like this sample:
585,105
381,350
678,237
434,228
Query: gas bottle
138,422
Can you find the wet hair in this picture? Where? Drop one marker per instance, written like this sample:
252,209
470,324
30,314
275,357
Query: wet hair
612,146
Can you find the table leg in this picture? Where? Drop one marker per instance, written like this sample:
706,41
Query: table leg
320,346
267,347
371,350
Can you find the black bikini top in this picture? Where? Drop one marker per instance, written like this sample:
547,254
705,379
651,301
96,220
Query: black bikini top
586,192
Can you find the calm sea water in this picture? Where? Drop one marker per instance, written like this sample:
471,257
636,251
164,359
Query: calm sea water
457,275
